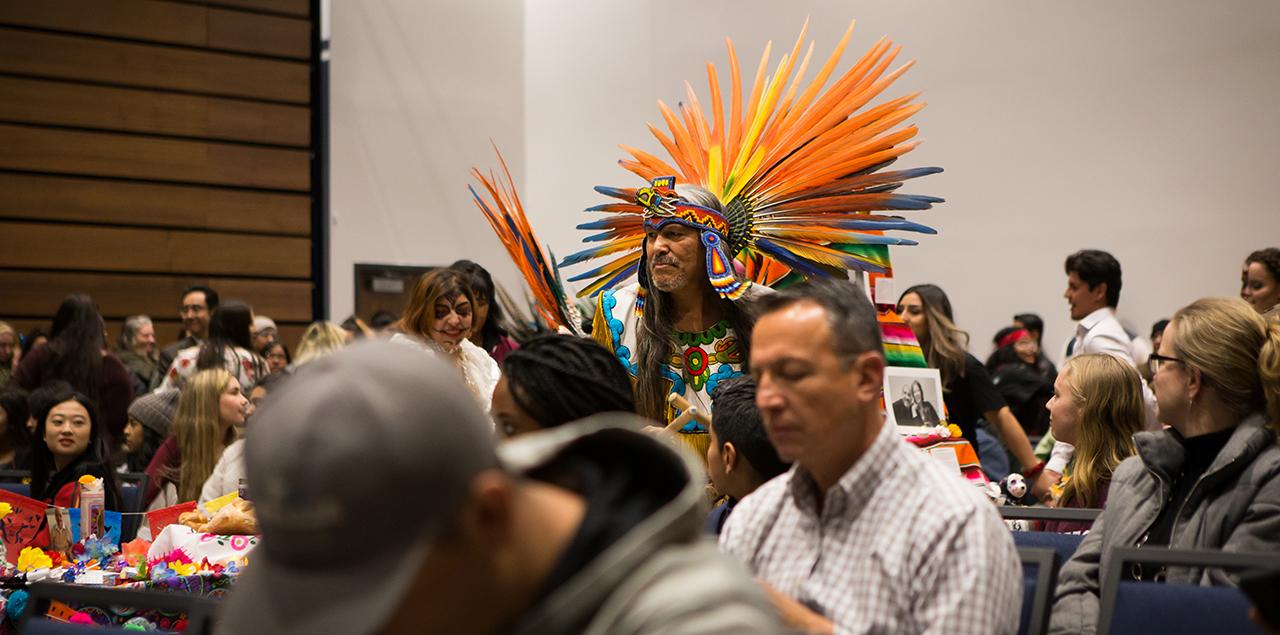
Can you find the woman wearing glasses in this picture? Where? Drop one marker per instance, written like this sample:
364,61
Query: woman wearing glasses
1211,480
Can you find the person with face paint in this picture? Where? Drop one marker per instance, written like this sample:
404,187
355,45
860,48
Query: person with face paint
439,316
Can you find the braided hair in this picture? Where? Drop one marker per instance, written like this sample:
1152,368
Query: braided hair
560,378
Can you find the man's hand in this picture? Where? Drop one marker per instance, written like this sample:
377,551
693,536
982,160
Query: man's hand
796,615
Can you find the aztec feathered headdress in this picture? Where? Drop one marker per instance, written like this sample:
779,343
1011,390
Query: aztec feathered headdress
797,177
506,216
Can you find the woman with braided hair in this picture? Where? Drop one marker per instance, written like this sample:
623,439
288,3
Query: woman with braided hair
555,379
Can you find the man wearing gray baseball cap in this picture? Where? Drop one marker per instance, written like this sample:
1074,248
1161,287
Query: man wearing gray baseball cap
385,507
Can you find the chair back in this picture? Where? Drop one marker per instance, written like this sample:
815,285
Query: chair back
132,486
1039,578
1131,607
1063,544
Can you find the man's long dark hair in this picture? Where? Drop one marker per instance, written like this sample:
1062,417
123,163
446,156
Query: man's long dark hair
228,326
655,344
76,345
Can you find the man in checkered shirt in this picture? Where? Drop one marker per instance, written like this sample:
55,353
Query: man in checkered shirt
865,534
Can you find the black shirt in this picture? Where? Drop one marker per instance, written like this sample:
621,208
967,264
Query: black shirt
970,396
1200,452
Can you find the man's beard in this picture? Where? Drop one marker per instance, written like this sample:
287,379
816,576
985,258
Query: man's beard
676,279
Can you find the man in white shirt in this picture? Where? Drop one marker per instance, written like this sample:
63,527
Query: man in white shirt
1093,292
865,533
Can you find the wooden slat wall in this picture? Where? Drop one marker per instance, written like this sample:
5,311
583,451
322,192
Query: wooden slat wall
147,145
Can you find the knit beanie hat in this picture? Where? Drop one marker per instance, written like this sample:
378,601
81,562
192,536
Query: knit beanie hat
155,410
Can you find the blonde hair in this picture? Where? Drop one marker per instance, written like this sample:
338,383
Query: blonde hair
5,328
1108,392
320,339
1237,350
198,428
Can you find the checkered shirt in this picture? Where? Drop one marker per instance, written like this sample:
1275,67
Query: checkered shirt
900,546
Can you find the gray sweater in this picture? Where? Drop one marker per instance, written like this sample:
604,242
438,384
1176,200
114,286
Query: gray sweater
665,576
1235,506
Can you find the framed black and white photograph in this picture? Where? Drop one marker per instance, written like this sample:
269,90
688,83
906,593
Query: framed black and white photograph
913,397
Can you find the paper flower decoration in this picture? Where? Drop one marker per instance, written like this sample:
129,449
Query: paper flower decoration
5,509
33,558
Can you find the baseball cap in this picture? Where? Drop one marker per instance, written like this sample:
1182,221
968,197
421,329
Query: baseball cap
155,410
354,467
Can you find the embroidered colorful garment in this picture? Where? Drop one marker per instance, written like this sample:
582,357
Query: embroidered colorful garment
699,363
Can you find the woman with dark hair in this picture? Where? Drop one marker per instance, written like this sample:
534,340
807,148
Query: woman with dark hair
1023,376
69,444
76,353
438,317
966,386
488,330
1260,282
555,379
229,346
277,356
14,438
34,338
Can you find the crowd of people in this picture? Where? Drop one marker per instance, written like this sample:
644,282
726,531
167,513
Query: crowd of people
543,483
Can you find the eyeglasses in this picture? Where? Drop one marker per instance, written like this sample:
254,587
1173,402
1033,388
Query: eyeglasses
1154,362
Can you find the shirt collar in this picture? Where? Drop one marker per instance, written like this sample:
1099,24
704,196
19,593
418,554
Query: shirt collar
1093,319
851,492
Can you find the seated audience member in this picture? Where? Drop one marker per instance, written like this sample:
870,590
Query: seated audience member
228,474
555,379
14,436
32,340
71,443
1023,377
967,388
1260,282
210,409
739,457
1157,333
150,419
488,328
227,347
381,321
137,350
587,528
354,329
277,356
198,305
1211,480
320,339
76,353
1034,325
1097,408
439,316
912,409
865,533
10,353
264,332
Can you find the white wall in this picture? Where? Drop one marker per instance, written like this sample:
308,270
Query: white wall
417,90
1142,128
